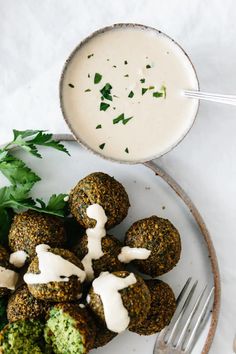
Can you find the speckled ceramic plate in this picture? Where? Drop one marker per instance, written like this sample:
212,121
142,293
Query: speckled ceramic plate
151,191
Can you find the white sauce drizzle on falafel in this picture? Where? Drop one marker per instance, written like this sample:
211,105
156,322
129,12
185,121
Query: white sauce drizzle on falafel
53,268
107,286
8,278
95,235
128,254
18,258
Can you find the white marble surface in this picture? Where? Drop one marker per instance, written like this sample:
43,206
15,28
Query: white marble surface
37,36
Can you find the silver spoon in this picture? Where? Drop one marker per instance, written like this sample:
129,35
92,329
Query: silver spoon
214,97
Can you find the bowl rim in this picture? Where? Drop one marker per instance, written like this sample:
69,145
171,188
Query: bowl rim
61,82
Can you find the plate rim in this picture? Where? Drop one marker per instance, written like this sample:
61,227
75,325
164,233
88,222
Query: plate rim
202,226
204,231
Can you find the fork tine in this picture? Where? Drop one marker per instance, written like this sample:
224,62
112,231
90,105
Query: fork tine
192,337
182,312
182,336
163,333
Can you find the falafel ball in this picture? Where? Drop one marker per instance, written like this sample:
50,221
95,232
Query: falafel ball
69,329
111,248
163,306
57,291
99,188
32,228
103,335
23,337
3,312
22,306
4,262
161,238
136,299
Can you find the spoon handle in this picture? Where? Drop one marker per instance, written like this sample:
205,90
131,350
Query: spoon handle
214,97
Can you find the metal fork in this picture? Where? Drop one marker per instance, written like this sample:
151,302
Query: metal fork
182,333
214,97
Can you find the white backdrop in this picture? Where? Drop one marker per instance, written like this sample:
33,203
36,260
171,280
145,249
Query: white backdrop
37,36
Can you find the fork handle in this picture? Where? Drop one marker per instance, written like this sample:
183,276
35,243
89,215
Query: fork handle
213,97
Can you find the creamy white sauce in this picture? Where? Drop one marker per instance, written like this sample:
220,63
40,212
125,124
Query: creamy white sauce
158,123
107,286
53,268
18,258
8,278
128,254
95,235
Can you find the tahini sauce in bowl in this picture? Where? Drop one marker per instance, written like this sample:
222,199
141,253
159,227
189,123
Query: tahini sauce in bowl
121,93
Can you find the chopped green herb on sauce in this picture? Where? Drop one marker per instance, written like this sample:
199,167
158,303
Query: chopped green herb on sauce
99,126
108,59
121,118
71,85
114,66
104,106
142,81
131,94
148,66
127,75
106,92
97,78
163,89
87,90
157,94
90,56
88,75
144,90
127,150
125,62
115,96
102,146
151,87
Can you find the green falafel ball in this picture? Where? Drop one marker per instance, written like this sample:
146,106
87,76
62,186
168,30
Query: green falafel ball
136,299
111,248
57,291
22,306
4,262
32,228
161,238
69,329
163,306
99,188
23,337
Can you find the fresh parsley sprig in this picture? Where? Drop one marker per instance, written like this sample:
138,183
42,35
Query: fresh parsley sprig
15,197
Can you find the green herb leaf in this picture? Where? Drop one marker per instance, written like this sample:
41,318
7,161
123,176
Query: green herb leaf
102,146
106,92
88,75
90,56
127,150
6,216
3,312
163,90
21,139
151,87
127,75
142,81
148,66
157,94
126,120
104,106
71,85
131,94
144,90
125,62
87,90
99,126
121,118
17,172
97,78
